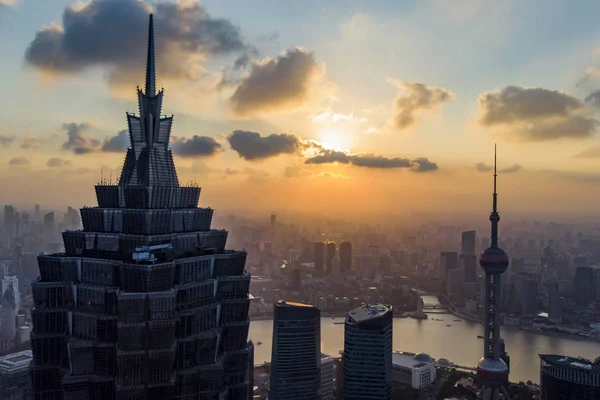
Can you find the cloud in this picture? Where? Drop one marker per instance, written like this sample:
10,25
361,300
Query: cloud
420,164
30,142
593,152
6,140
254,146
112,34
483,167
414,98
295,172
18,161
196,146
280,83
254,175
57,162
7,2
327,115
593,99
78,141
118,143
536,114
82,170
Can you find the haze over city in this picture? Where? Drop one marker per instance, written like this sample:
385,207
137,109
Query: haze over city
296,107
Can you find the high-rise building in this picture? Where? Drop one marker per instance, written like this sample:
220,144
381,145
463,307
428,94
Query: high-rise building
492,369
273,220
327,377
330,255
9,221
36,212
145,302
49,228
319,258
8,320
568,378
345,257
468,243
584,289
11,281
448,260
530,298
554,302
296,354
367,356
385,264
468,264
15,383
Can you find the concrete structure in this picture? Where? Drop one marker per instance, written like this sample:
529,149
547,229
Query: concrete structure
417,371
327,376
15,383
367,356
296,354
492,369
145,302
568,378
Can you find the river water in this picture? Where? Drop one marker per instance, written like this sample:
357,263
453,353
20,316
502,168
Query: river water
457,342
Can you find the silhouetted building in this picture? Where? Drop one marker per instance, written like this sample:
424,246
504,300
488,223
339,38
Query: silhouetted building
554,302
468,263
36,212
448,260
367,356
49,227
345,257
568,378
327,377
584,288
320,258
385,264
468,243
330,255
8,320
145,302
296,354
9,222
530,298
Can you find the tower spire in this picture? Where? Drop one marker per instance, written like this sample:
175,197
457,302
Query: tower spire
494,217
150,61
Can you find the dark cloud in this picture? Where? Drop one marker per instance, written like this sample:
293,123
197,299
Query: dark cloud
420,164
593,99
483,167
118,143
19,161
30,142
593,152
112,34
413,98
536,114
253,146
277,83
196,146
57,162
6,140
78,141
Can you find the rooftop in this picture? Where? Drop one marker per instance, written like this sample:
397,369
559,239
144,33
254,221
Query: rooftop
369,311
572,362
407,360
283,303
16,360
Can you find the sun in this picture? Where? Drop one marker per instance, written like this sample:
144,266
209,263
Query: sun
334,140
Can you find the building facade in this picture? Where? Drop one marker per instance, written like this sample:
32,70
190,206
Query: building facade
416,371
367,357
319,258
15,383
345,257
296,354
468,243
448,261
567,378
327,377
145,302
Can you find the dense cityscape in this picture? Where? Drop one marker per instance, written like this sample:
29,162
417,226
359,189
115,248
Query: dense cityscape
148,296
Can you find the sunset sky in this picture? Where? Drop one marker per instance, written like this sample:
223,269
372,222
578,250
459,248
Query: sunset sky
341,105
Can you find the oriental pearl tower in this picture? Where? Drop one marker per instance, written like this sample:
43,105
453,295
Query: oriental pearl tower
491,369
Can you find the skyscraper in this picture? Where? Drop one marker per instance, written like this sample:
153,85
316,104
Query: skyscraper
468,243
468,264
296,354
145,302
584,289
530,297
367,356
330,255
554,302
491,369
9,222
319,258
345,257
448,260
568,378
14,376
8,320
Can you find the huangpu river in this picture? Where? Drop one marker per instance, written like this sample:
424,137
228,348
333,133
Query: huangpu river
457,342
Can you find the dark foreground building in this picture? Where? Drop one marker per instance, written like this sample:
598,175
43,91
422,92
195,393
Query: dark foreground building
568,378
145,302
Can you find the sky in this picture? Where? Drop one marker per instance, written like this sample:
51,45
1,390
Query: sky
345,106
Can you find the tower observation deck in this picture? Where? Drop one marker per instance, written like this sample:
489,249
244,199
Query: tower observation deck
492,369
145,302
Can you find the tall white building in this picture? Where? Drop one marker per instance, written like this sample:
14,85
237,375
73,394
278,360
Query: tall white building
327,375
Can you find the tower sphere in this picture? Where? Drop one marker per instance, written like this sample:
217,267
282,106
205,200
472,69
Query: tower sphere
493,260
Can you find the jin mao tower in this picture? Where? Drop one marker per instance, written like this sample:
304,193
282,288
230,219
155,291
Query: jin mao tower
145,302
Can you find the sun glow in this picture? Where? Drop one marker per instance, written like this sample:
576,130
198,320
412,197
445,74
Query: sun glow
335,140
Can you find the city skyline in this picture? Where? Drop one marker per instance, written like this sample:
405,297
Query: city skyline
315,124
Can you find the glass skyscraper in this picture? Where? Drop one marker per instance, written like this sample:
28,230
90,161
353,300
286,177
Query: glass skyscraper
145,302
